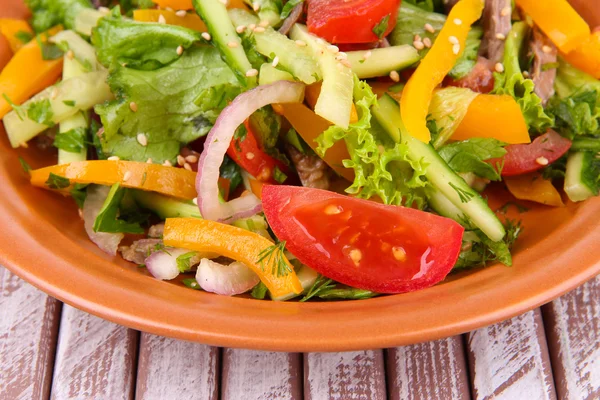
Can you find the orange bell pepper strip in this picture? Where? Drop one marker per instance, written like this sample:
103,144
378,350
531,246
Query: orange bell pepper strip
256,187
447,48
534,187
494,116
10,28
241,245
586,56
5,52
190,20
558,20
309,126
187,4
28,73
170,181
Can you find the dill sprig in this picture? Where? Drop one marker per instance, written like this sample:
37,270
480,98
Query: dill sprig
321,284
274,255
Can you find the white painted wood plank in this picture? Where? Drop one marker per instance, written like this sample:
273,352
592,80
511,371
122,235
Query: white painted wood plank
573,329
433,370
95,359
510,360
174,369
344,376
254,375
28,330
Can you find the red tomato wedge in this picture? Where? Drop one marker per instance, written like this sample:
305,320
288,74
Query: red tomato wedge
360,243
352,21
250,157
524,158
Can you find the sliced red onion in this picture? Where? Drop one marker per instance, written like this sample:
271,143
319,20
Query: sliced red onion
163,264
218,141
107,242
294,16
226,280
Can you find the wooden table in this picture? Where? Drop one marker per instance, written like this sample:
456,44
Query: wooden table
51,350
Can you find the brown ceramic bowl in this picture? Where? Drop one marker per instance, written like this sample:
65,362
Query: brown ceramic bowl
44,243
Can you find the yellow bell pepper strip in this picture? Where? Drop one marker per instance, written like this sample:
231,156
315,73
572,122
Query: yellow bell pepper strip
190,20
28,73
309,126
534,187
447,48
558,20
170,181
10,28
5,52
586,56
494,116
258,253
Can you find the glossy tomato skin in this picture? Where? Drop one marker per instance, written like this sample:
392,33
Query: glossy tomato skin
360,243
350,21
524,158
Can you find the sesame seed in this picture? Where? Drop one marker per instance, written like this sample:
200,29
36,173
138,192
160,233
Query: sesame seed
505,11
250,156
24,145
259,29
456,49
417,38
275,61
251,72
187,166
232,45
252,27
341,56
499,67
399,253
457,21
333,49
418,45
179,50
195,200
264,24
149,161
104,10
133,106
500,36
429,28
167,163
300,43
542,160
346,63
180,160
367,55
113,158
70,54
546,49
161,19
395,76
126,176
191,158
80,212
181,13
427,42
206,35
256,6
142,139
225,2
169,9
526,74
240,29
355,256
332,209
193,284
54,93
453,40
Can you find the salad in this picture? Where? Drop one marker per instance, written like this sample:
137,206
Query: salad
304,149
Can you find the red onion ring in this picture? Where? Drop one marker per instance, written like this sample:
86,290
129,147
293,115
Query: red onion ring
226,280
294,16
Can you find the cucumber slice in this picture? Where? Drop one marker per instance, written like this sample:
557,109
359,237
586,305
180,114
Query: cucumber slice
335,101
269,74
86,20
443,179
581,176
83,92
297,60
380,62
214,14
268,10
83,51
165,206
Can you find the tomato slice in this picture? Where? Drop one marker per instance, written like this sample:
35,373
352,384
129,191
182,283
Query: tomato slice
523,158
360,243
250,157
351,21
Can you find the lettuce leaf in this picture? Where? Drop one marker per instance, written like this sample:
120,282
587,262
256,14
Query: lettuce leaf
382,168
513,83
470,155
48,13
175,105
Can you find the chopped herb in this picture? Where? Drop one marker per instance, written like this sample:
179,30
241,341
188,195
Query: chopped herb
320,285
191,283
49,51
141,266
381,27
70,103
41,112
520,208
278,175
274,255
79,193
549,66
471,155
346,293
184,261
72,141
24,37
464,195
26,167
161,247
259,291
144,176
107,219
57,182
289,6
19,110
230,170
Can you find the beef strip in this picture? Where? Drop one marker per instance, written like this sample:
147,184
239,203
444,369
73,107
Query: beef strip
156,231
544,52
139,250
313,171
496,25
480,79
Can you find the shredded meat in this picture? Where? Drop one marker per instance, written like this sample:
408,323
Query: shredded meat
156,231
496,25
480,79
313,171
139,250
46,140
544,52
